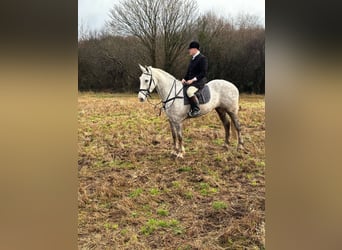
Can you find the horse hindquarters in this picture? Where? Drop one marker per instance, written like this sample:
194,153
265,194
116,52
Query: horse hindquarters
228,102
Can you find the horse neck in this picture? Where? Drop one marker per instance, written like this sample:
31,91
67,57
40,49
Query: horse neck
164,83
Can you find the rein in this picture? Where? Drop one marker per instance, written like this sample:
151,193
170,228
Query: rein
173,98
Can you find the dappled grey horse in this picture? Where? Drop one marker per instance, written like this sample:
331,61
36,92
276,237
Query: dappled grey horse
224,99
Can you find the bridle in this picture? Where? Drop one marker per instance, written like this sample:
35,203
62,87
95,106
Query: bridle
168,99
148,91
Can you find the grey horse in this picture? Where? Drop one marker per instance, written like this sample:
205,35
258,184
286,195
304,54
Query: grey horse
224,99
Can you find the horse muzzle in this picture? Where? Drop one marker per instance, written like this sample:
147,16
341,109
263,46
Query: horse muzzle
141,97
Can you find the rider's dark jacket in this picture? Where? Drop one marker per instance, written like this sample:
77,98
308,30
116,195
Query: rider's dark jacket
198,68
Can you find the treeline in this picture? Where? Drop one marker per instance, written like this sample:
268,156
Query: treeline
235,48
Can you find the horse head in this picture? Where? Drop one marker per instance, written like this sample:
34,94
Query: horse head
147,84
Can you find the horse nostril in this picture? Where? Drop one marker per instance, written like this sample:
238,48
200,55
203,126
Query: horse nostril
141,99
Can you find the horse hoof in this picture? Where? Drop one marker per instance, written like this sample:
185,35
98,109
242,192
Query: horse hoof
173,153
180,155
240,147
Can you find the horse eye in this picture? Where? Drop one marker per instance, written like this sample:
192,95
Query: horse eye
146,80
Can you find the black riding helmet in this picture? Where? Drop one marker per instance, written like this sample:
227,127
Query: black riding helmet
194,45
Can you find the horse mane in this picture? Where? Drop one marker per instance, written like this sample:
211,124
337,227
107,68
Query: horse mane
164,72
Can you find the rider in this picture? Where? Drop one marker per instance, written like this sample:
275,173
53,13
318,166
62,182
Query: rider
196,77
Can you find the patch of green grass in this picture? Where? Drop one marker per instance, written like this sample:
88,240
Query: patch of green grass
219,205
254,183
154,224
146,208
162,212
176,184
184,169
187,140
111,226
178,230
213,126
121,164
213,174
106,205
124,231
154,191
100,164
205,189
261,164
218,141
219,157
250,176
136,193
187,247
204,185
189,195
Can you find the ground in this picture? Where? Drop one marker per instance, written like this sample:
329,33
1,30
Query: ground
134,195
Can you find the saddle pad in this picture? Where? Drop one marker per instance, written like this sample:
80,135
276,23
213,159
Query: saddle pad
203,95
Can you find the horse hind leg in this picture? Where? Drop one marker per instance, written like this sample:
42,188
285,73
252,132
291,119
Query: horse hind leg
236,124
226,124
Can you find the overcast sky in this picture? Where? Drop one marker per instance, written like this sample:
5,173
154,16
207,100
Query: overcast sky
94,13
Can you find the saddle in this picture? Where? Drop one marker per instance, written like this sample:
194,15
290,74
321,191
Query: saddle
203,95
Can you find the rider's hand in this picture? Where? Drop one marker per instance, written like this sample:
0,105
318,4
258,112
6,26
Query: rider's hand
183,81
190,81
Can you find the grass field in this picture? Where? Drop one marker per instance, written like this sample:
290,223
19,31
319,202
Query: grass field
134,195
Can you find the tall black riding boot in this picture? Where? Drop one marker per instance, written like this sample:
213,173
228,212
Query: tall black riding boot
195,110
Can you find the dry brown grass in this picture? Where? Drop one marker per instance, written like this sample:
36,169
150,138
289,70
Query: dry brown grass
134,195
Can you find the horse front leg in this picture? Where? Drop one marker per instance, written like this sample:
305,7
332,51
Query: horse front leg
174,137
181,150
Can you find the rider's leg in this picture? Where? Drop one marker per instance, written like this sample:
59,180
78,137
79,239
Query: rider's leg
195,110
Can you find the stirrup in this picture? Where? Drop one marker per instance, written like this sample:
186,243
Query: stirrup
195,113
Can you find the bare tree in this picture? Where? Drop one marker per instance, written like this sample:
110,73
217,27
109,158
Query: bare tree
209,26
177,20
83,31
138,18
247,21
153,21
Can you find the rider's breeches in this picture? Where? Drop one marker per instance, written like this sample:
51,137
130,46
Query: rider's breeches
191,91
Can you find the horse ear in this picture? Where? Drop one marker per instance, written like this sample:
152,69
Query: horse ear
146,68
149,69
142,68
